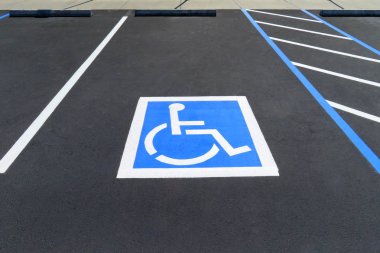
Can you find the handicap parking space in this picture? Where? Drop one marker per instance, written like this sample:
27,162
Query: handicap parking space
64,192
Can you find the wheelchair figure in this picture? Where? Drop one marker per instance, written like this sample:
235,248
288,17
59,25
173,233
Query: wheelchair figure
176,125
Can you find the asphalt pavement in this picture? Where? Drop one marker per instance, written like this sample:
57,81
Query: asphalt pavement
61,193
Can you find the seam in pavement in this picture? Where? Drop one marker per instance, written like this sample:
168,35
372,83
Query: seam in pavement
237,4
341,7
286,1
125,4
75,5
181,4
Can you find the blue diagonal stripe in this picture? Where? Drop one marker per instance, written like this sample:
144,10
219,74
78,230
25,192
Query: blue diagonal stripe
4,16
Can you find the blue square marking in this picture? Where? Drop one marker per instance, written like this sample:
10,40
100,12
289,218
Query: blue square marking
223,117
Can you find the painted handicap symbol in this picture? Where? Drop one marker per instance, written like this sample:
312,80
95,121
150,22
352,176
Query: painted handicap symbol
212,136
176,125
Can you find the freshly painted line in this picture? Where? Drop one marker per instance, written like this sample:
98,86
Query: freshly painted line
352,78
366,151
326,50
354,111
27,136
344,33
285,16
303,30
4,16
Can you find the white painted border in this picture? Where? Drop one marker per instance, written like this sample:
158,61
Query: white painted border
126,170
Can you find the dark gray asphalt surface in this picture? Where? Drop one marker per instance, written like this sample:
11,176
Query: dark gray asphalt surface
62,195
37,58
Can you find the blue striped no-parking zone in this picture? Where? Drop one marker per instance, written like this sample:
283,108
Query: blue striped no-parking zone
364,149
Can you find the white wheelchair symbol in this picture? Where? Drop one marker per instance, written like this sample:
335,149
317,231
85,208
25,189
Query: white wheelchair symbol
176,130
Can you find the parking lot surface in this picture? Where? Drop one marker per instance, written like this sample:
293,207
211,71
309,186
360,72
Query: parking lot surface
69,92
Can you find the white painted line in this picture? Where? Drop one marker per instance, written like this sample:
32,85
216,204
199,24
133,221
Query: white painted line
356,79
303,30
285,16
327,50
28,135
354,111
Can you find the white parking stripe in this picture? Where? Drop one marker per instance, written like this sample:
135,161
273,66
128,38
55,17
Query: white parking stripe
303,30
285,16
356,79
327,50
354,111
28,135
